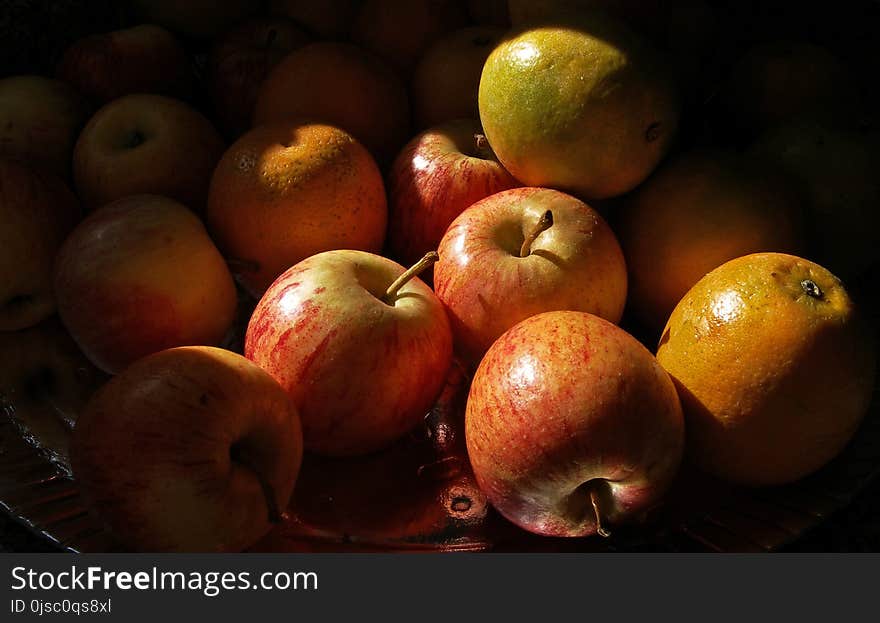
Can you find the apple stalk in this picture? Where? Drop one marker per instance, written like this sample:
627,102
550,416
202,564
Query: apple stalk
274,513
416,269
543,224
483,148
600,530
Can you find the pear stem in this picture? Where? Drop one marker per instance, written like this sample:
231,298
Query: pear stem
594,500
545,223
413,271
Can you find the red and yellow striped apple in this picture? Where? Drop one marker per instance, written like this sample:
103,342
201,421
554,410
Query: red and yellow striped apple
361,348
521,252
572,425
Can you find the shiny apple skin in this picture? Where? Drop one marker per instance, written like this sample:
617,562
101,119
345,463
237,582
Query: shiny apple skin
437,176
361,372
167,452
565,403
576,264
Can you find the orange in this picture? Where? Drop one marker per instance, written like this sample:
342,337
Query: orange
585,108
286,191
774,366
697,212
339,84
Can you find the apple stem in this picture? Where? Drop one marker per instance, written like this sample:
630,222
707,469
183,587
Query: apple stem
594,500
271,503
136,139
269,494
483,148
274,512
416,269
270,37
543,224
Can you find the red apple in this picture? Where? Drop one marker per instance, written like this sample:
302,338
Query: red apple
37,211
361,348
439,174
521,252
146,144
189,449
241,60
572,425
40,119
141,59
447,77
141,275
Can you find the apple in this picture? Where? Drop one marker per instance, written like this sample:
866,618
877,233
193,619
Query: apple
439,174
45,381
399,31
37,211
40,119
447,77
571,425
521,252
146,144
141,275
360,345
241,60
200,19
189,449
330,19
141,59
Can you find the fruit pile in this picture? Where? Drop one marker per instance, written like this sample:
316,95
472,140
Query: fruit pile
286,247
